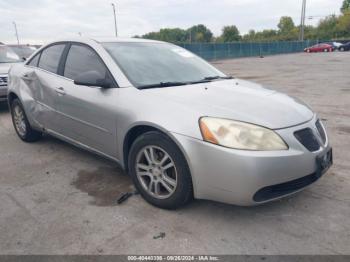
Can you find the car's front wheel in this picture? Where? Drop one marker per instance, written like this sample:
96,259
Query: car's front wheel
160,171
21,123
342,49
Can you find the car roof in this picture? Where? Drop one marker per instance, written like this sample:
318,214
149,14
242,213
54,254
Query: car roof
116,40
87,40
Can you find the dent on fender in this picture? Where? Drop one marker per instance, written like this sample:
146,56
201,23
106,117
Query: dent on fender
31,92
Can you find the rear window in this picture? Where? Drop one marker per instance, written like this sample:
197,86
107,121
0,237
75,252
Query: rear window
50,58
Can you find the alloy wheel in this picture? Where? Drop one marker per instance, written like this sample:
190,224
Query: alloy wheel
19,119
156,172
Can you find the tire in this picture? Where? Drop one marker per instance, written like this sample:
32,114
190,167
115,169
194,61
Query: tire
170,195
21,123
342,49
308,51
326,50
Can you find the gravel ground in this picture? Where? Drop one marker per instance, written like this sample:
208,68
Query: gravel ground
57,199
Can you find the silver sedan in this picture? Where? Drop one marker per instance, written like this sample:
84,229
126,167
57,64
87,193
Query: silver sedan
181,128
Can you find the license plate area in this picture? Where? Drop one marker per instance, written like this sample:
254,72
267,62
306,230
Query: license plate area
324,162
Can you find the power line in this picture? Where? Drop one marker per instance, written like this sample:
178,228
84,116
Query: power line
310,17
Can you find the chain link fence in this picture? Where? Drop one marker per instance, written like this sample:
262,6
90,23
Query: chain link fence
215,51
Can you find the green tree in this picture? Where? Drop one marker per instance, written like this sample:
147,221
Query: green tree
327,28
199,33
250,36
173,35
343,25
310,32
230,34
268,35
152,35
286,25
346,6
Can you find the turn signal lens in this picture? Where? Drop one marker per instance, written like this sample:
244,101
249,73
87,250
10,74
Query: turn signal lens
207,134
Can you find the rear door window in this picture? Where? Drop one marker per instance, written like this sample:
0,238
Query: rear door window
50,58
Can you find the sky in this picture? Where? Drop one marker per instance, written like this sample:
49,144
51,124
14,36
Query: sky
41,21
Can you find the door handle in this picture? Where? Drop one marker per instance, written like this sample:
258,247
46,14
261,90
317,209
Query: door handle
60,91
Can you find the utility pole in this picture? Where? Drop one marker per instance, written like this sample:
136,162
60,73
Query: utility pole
115,20
302,22
14,24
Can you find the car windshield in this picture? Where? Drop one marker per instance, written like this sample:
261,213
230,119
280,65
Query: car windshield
160,64
8,56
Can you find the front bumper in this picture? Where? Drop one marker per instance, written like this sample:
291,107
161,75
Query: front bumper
3,87
3,93
236,176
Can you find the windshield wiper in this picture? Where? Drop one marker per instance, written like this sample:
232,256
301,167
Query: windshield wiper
163,84
210,78
169,84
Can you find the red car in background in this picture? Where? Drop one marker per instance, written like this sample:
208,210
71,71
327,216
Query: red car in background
319,48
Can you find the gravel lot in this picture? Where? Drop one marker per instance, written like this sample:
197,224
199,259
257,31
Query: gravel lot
57,199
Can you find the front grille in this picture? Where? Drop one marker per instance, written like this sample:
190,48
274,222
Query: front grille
3,80
307,138
321,131
275,191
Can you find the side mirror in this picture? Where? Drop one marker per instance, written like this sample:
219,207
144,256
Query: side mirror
24,59
92,78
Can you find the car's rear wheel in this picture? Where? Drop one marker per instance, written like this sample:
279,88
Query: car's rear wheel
326,50
160,171
342,49
21,123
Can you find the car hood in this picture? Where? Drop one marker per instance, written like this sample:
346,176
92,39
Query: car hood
4,67
237,100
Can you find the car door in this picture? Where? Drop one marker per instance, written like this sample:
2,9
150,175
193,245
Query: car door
347,46
316,48
86,113
40,76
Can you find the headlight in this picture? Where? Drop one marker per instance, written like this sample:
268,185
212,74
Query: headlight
240,135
